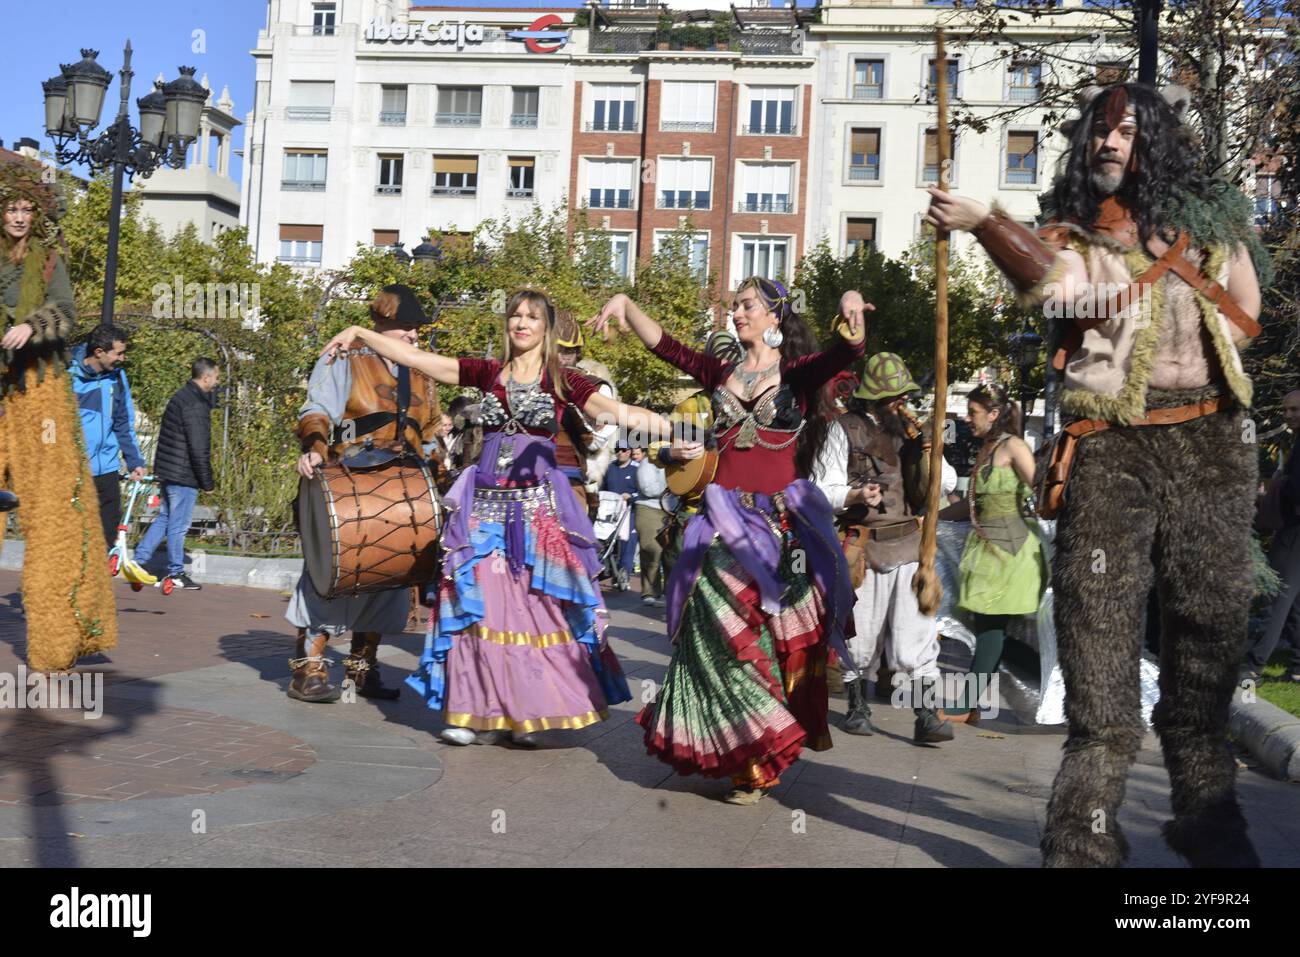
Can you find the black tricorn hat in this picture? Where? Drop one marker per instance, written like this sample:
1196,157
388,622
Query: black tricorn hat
397,308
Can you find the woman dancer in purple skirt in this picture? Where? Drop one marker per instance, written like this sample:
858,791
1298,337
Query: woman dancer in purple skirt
519,644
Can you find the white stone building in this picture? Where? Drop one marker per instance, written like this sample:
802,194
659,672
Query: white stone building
376,121
874,146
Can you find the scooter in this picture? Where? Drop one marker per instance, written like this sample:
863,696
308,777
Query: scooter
118,558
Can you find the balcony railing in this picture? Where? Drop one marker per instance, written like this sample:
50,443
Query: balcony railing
687,126
299,260
392,118
680,202
610,126
322,30
760,42
388,190
314,113
525,121
771,129
868,91
930,174
303,185
765,206
618,202
1021,177
459,119
455,190
1023,94
864,174
519,192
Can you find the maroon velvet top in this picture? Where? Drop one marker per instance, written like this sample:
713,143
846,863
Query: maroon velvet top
485,374
759,469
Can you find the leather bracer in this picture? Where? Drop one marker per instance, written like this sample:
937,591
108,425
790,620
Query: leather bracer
314,431
1016,250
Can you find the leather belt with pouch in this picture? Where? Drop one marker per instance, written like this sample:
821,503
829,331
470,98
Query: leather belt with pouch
1060,451
854,538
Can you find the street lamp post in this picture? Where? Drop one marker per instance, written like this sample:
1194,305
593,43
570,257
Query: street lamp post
169,123
1148,20
1025,346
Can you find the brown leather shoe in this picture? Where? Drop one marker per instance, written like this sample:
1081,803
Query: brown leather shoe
311,676
361,667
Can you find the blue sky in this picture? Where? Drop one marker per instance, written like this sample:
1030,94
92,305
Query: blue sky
41,34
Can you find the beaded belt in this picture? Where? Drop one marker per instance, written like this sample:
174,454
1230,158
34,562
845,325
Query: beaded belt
496,504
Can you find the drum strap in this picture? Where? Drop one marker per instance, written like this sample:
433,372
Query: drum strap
363,425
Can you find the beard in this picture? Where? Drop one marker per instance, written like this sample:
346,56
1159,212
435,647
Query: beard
889,420
1104,183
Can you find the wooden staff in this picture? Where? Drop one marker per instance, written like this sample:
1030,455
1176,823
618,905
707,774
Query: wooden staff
926,584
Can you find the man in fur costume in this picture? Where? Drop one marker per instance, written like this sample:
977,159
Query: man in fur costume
66,588
363,390
1154,267
874,469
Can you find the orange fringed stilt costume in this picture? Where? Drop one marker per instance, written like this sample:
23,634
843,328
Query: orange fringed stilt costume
66,589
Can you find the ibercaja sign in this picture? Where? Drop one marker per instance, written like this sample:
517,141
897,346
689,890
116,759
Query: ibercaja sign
546,34
429,31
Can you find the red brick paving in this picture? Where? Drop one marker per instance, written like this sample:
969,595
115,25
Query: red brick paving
59,757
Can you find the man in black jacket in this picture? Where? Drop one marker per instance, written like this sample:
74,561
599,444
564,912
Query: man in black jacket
183,465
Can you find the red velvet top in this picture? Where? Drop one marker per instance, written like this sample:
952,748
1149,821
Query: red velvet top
759,469
485,374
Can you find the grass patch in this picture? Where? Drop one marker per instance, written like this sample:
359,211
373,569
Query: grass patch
1275,689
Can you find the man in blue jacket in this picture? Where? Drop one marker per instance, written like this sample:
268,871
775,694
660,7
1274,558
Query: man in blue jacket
107,419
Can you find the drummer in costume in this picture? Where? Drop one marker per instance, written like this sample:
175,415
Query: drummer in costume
584,448
519,645
761,590
348,403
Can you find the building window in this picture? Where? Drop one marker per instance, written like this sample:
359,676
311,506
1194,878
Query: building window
930,160
860,236
310,100
684,183
613,108
301,245
1111,72
609,184
1022,158
932,84
522,169
460,106
864,155
322,20
763,256
1024,81
620,253
771,110
697,251
455,175
686,107
523,107
390,175
392,111
304,171
868,79
385,237
767,188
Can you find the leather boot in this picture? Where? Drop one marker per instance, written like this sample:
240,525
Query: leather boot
311,677
884,684
361,666
929,727
858,719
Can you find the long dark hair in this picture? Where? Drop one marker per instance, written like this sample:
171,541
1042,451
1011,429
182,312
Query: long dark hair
797,341
1168,165
995,398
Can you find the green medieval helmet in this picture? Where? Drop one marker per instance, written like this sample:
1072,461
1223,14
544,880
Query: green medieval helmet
885,375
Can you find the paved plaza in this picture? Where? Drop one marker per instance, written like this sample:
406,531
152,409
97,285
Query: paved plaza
200,759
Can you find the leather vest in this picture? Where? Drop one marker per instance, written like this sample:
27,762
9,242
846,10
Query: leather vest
877,456
374,389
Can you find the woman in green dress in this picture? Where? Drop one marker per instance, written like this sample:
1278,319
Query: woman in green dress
1001,571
